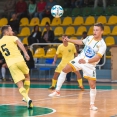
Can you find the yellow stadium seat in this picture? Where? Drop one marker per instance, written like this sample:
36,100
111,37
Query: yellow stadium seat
70,31
58,31
74,38
110,41
107,30
112,20
66,21
90,31
24,22
50,53
80,30
34,21
60,38
24,32
39,53
114,31
56,22
90,20
102,19
44,20
3,21
78,21
25,40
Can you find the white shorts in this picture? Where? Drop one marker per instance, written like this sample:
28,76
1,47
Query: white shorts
88,69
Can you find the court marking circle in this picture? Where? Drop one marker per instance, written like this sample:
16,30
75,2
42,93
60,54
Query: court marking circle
22,111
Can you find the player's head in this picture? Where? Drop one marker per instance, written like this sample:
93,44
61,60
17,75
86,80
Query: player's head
7,30
63,36
98,30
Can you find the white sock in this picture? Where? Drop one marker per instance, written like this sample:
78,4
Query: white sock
61,80
92,96
3,71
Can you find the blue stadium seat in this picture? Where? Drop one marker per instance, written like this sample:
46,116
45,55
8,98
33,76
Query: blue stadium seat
47,66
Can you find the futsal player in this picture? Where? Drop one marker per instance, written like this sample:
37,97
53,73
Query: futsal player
15,62
68,51
86,61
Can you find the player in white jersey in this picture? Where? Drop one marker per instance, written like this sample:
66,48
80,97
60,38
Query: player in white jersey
86,61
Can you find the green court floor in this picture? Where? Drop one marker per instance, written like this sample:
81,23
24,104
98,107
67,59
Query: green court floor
105,86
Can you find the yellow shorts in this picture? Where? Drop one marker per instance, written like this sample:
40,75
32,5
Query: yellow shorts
18,70
60,67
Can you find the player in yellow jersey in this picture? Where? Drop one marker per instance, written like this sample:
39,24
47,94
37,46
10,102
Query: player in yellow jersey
68,51
15,62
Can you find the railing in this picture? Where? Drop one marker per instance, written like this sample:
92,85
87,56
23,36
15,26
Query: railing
98,65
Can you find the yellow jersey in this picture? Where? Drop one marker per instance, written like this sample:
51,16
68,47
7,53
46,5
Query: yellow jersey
67,52
9,50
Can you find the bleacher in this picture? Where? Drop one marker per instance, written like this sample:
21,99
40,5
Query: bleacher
72,23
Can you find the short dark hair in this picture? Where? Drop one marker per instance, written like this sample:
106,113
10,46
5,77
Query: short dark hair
99,25
4,28
47,24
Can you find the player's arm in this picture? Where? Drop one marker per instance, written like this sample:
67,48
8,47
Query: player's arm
97,57
20,45
55,59
79,42
92,60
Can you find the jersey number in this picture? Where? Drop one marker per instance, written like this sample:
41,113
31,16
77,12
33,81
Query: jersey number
7,53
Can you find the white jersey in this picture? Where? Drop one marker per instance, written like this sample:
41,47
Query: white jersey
92,47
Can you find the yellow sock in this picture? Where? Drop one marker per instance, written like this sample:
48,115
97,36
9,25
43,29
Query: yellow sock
22,91
80,82
54,82
27,85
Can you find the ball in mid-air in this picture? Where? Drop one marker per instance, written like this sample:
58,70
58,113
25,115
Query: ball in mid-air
57,11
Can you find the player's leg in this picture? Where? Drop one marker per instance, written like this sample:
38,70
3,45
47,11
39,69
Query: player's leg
27,83
54,80
25,71
18,78
61,80
56,74
79,79
92,84
90,74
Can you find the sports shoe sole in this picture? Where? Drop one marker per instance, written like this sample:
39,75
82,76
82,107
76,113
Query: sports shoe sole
30,105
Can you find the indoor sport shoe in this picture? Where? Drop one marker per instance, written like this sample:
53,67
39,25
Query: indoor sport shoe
23,99
29,104
54,94
81,87
51,87
93,108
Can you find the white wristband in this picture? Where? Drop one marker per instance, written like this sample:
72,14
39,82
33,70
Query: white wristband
87,60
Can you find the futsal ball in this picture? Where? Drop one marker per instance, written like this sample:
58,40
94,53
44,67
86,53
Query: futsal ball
57,11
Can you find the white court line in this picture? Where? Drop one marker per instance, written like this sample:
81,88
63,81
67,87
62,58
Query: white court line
49,98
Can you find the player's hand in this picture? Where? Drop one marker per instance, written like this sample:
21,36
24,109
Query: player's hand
53,63
81,61
27,57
